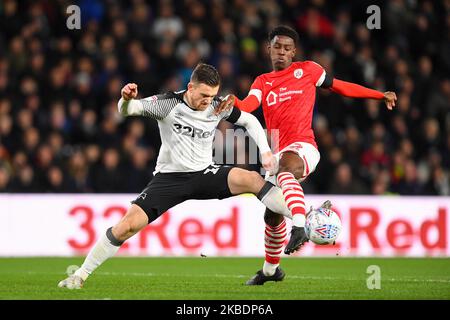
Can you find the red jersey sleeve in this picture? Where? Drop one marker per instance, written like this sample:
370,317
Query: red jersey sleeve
257,89
317,72
253,100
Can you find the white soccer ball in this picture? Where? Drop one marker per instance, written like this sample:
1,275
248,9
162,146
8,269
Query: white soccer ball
323,226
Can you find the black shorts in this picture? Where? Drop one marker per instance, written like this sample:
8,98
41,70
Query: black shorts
166,190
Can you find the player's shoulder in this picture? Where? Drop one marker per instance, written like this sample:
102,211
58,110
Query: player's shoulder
170,95
310,65
175,95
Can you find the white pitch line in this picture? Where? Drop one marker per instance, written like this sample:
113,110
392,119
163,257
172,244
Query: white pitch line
217,275
293,277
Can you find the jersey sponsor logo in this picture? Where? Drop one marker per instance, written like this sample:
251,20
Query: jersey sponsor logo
287,95
271,98
192,131
270,83
298,73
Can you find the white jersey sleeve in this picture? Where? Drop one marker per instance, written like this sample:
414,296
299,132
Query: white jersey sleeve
254,129
156,107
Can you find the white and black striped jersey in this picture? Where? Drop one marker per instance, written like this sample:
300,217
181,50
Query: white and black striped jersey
186,134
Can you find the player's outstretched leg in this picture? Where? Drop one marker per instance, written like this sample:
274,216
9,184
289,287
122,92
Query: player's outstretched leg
292,169
274,237
107,246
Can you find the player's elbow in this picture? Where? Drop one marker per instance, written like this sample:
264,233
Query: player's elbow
247,120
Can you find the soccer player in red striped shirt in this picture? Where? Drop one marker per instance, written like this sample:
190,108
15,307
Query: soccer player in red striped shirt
287,95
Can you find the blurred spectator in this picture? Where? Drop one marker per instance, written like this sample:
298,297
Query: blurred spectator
380,185
140,173
374,159
57,182
439,184
79,171
167,25
345,183
24,181
4,180
409,185
108,177
194,40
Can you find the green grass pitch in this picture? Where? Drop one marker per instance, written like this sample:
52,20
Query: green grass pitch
223,279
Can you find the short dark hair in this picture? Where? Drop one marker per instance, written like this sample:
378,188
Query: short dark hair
207,74
284,31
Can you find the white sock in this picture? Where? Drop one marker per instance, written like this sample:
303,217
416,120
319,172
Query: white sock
293,195
299,220
274,200
269,268
101,251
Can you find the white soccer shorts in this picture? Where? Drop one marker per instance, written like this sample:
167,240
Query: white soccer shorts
306,151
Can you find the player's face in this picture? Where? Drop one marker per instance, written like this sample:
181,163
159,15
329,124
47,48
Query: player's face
201,95
281,51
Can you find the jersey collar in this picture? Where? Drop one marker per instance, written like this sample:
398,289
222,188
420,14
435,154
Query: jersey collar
285,71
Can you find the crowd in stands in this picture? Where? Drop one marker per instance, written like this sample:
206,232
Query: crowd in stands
60,131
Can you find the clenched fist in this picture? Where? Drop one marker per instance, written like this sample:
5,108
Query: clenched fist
129,91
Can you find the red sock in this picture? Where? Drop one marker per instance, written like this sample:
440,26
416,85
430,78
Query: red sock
274,241
292,192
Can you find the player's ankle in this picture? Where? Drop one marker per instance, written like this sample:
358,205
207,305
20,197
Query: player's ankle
269,268
83,274
298,220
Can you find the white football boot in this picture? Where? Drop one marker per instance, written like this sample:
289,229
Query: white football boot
72,282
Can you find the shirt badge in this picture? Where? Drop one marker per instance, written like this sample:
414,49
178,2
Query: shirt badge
298,73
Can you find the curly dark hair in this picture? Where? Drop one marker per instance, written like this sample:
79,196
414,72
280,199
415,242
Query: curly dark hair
284,31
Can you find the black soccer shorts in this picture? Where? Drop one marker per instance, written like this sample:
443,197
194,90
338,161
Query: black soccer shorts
166,190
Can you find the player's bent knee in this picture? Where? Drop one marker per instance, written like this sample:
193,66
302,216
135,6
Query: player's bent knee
242,181
255,177
273,219
297,170
254,181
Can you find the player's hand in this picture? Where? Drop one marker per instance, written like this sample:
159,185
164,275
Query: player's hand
390,98
269,162
129,91
226,104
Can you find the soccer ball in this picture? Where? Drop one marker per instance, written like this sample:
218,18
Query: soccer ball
322,226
